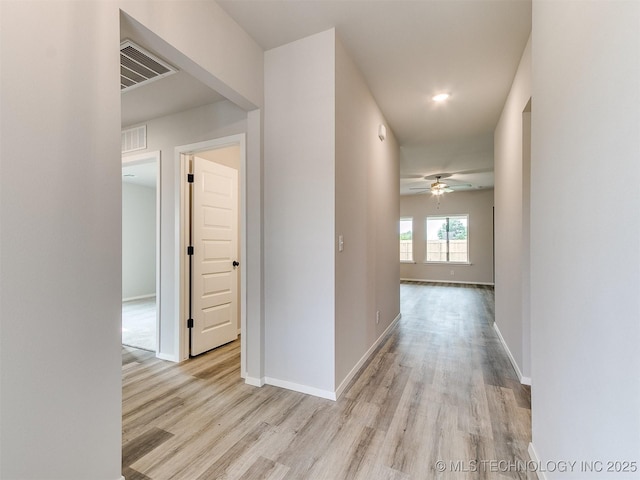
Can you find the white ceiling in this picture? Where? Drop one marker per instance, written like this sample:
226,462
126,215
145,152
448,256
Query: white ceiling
408,50
168,95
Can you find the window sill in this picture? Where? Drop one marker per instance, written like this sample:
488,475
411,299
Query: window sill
410,262
462,264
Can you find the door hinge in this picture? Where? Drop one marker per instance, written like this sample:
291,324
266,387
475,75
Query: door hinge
189,177
190,323
190,250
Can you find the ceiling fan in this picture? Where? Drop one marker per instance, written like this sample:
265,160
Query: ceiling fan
458,180
440,188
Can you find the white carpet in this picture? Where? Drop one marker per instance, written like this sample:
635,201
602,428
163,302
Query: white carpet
139,323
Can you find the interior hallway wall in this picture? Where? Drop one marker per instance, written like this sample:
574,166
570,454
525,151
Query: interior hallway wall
327,175
138,241
299,207
64,221
367,204
60,262
509,227
585,299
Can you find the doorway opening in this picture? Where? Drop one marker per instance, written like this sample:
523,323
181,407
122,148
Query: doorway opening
151,103
140,251
213,280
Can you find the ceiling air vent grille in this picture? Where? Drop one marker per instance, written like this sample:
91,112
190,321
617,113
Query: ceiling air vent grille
134,139
138,66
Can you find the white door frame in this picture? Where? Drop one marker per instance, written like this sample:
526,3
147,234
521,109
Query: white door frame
141,158
182,205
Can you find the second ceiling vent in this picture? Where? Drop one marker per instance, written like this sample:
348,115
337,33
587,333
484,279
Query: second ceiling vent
138,66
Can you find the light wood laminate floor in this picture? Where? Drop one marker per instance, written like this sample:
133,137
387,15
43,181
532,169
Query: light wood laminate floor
439,388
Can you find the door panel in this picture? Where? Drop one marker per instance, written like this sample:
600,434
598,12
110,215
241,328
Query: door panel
215,241
216,317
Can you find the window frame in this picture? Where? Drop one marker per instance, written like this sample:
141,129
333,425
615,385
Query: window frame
426,240
412,260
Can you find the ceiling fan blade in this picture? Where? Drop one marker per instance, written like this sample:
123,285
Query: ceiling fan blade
475,170
432,176
460,186
437,176
419,188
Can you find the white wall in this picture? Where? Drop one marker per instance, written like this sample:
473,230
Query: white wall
326,174
138,241
165,134
60,417
254,260
478,205
526,244
585,300
508,197
299,206
60,263
366,213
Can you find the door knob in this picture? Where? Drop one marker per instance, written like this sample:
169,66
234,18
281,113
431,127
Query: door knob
235,263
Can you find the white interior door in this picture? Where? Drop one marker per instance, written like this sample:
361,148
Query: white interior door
215,242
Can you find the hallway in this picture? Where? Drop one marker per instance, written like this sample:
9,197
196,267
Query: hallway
439,388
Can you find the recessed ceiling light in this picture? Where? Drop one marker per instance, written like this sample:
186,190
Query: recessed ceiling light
441,97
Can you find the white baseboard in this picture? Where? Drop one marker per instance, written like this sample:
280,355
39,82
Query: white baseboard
169,358
254,381
533,455
296,387
316,392
139,297
365,357
523,380
445,281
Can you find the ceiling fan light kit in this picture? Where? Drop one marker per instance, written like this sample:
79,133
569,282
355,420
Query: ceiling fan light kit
439,188
441,97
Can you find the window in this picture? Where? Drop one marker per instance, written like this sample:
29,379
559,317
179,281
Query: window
406,239
448,239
